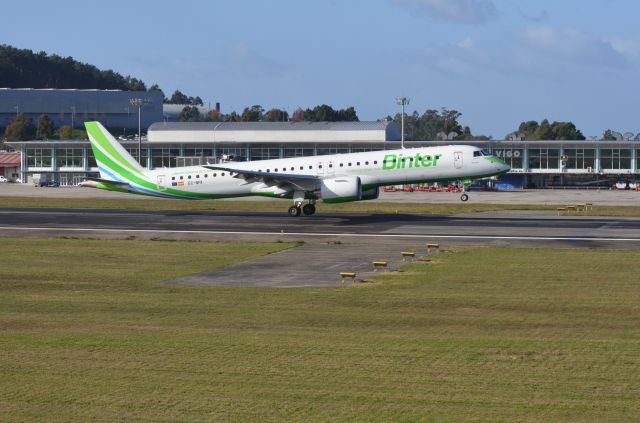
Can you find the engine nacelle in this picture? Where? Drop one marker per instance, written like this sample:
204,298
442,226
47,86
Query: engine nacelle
371,194
341,189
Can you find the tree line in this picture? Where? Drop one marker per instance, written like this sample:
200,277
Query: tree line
22,128
22,68
256,113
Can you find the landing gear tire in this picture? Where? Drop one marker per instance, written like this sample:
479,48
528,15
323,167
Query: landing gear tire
308,209
294,211
464,197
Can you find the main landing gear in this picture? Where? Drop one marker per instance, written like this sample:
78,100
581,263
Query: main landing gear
296,210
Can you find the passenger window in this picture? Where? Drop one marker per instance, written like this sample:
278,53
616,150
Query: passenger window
341,164
330,165
180,177
215,174
189,177
292,168
222,174
375,162
301,167
310,167
173,178
349,164
276,169
319,166
198,176
366,163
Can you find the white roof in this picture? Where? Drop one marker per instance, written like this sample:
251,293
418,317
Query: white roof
273,131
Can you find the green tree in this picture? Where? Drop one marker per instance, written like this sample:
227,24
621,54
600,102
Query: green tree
544,130
326,113
22,68
65,132
232,117
197,101
156,87
252,114
178,98
20,128
608,135
189,114
276,115
428,125
45,127
348,115
528,128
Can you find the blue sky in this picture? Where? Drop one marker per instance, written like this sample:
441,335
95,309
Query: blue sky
498,62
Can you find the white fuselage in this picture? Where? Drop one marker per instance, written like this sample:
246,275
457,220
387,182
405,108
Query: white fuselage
374,168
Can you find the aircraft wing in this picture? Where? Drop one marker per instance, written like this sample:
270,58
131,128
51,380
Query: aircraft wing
301,182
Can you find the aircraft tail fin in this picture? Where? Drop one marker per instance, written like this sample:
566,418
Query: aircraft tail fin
114,162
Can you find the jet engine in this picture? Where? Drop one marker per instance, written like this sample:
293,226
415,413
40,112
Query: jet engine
341,189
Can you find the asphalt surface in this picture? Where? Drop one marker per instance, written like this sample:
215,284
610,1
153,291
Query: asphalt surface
532,196
332,242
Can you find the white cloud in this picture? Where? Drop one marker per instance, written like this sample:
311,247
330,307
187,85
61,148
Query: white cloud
629,48
466,44
462,11
573,46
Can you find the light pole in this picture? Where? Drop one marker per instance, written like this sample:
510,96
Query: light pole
402,101
139,103
73,115
124,130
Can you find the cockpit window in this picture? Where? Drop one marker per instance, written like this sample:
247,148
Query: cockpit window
477,153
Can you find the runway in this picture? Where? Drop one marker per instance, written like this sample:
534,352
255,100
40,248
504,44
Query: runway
518,228
331,242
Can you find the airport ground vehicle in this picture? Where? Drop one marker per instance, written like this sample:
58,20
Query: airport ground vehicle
3,179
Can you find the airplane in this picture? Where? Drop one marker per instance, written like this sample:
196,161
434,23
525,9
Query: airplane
331,178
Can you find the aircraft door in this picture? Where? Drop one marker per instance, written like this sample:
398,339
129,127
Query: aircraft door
161,183
457,159
320,168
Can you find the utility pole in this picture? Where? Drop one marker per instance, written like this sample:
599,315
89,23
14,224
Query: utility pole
139,103
402,101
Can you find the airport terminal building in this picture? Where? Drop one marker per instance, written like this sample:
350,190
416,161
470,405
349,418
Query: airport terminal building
535,164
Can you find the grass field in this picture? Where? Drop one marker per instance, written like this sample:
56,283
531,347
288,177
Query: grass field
143,203
89,332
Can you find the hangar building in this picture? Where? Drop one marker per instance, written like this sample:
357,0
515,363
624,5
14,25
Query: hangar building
74,107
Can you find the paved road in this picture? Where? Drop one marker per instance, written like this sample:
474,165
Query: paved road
332,242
